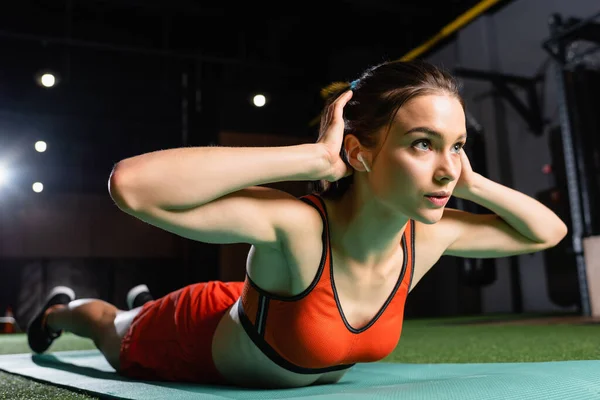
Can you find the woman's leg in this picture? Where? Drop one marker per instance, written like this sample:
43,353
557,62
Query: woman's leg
95,319
90,318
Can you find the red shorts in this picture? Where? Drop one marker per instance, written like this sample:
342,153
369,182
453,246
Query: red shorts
171,337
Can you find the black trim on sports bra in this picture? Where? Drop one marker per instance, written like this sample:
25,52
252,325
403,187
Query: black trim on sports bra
267,350
394,290
256,333
261,315
305,292
383,307
412,249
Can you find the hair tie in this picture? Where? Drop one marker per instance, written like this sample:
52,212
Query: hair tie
353,84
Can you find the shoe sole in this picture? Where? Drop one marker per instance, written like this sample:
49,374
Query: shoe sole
133,293
56,291
61,290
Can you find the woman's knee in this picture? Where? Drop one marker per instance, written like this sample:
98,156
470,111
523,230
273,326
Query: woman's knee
97,314
93,310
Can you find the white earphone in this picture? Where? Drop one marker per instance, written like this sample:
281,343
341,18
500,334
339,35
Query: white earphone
360,158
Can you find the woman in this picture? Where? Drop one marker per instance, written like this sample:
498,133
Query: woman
327,273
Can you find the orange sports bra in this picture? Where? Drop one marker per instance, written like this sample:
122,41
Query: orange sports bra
308,333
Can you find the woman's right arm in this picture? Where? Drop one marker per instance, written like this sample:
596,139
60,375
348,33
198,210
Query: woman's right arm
211,194
189,177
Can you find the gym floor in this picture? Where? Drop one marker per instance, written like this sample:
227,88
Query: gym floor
480,339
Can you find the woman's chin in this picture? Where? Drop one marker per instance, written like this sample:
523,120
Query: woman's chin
429,216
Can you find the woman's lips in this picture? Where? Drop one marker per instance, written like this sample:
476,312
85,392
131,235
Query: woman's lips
439,201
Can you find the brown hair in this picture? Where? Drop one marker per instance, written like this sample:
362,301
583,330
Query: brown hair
378,95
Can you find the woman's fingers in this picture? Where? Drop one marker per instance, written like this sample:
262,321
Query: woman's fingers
335,112
338,105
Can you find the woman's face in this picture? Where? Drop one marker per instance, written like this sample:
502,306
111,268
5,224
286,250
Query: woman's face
420,156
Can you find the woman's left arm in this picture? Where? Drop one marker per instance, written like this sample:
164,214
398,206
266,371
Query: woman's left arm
519,224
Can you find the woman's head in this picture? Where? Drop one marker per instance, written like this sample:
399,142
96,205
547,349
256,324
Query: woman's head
388,101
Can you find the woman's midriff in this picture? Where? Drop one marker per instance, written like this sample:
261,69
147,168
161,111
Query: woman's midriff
242,363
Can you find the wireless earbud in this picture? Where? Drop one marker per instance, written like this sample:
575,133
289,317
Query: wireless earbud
360,158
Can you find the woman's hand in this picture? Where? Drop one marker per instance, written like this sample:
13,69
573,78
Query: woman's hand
467,178
331,137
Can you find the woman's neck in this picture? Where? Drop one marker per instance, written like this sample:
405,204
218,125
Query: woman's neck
363,229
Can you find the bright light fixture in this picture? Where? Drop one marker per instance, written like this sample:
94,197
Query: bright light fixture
40,146
37,187
259,100
48,80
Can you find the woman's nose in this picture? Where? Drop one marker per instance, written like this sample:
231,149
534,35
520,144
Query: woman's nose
448,169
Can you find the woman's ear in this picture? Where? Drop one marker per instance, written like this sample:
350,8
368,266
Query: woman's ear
364,163
355,154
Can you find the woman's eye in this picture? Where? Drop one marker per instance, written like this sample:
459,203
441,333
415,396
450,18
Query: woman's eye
426,145
421,144
458,146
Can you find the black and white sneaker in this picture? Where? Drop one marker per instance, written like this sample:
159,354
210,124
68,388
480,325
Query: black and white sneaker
39,336
138,296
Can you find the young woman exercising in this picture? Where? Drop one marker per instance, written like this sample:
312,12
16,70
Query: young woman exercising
328,273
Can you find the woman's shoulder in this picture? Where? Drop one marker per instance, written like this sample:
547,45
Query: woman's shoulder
307,217
300,249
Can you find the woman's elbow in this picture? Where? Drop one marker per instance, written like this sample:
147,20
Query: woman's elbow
119,187
560,233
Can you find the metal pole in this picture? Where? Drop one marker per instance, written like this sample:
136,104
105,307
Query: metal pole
570,170
505,169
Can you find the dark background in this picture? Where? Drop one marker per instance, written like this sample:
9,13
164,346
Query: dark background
120,65
137,76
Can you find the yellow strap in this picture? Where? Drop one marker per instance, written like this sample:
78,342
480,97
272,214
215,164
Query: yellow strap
449,29
446,31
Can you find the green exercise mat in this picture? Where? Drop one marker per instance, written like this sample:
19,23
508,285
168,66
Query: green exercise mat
88,371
